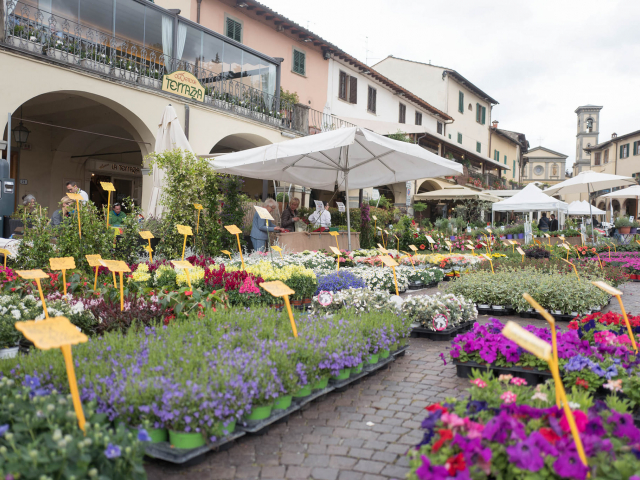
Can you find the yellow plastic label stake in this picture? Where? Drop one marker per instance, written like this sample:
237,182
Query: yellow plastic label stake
614,247
448,243
94,261
397,240
108,187
413,247
521,253
390,262
64,264
117,266
490,261
263,213
77,197
618,294
335,235
537,241
609,249
198,207
149,251
383,250
599,261
226,252
36,275
233,230
542,350
279,289
6,253
146,235
483,244
58,332
407,254
429,239
337,252
277,249
186,231
183,265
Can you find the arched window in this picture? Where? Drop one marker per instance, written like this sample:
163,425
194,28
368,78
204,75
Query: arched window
589,125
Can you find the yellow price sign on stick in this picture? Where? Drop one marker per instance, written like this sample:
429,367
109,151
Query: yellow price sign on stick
574,267
490,261
6,253
64,264
233,230
263,213
407,254
94,261
277,249
198,207
337,252
521,253
77,197
186,231
390,262
117,266
542,350
383,250
183,265
149,251
397,240
36,275
413,247
146,235
618,294
108,187
335,235
482,243
599,261
448,244
279,289
429,239
60,333
226,252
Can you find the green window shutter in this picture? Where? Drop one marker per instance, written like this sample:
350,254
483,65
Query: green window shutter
505,159
621,151
484,111
299,62
514,169
477,112
461,102
234,30
478,147
459,138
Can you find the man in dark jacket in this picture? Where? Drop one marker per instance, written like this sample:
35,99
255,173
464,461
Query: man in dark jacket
543,224
553,227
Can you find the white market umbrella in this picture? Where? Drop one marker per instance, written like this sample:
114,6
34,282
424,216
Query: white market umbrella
589,181
583,208
630,192
169,137
352,158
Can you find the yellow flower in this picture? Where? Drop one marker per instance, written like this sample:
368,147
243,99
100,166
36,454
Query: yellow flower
196,274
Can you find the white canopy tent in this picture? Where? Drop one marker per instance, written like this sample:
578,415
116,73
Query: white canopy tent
456,193
582,208
351,158
630,192
169,137
529,199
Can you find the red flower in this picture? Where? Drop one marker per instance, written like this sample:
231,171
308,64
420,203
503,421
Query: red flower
13,289
573,325
189,293
422,247
435,407
549,435
455,464
415,235
213,293
445,434
582,383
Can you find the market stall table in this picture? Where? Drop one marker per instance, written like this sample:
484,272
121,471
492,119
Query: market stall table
300,241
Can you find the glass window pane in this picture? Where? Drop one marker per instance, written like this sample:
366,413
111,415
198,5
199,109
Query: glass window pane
232,65
158,31
251,71
68,9
97,14
212,54
130,21
269,83
190,39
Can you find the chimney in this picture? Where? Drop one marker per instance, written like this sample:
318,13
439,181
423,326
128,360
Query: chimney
495,124
614,135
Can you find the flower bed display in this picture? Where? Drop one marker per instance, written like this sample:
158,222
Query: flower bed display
360,300
556,292
439,312
506,429
206,375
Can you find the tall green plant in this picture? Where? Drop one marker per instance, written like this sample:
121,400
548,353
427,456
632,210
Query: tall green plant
232,212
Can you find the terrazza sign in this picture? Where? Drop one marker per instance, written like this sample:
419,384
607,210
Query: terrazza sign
184,84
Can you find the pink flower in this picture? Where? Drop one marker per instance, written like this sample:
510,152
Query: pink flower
580,418
451,420
508,397
518,381
478,382
474,430
505,378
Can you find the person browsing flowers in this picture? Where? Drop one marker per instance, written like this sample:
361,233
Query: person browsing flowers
259,229
290,215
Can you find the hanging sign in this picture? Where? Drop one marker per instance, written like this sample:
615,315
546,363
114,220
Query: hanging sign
341,207
184,84
319,205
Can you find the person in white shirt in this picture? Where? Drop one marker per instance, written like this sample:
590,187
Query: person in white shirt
321,219
72,187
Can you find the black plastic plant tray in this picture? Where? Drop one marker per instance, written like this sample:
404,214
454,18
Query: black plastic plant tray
400,352
502,311
256,425
315,394
164,451
533,377
442,336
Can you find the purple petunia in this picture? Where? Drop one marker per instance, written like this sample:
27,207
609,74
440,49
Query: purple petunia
143,436
526,455
426,471
503,427
624,426
569,465
112,451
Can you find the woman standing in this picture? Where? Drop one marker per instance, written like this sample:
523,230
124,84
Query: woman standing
259,229
290,215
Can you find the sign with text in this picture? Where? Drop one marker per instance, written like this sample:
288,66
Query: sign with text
527,340
263,213
51,333
75,196
388,261
335,250
184,84
319,205
184,230
94,260
233,230
277,288
62,263
115,265
146,235
341,207
429,239
32,274
413,247
107,186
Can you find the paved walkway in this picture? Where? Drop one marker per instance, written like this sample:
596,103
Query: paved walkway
360,434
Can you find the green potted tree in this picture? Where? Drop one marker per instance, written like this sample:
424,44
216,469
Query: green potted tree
623,224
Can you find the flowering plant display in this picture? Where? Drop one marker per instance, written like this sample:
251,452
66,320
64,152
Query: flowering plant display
360,300
508,430
39,437
339,280
427,276
423,309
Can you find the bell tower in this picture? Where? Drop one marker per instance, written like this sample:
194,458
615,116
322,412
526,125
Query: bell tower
587,135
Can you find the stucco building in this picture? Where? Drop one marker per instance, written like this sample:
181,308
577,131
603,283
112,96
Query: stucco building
544,166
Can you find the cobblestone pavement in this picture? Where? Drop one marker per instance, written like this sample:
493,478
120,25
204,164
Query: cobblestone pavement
360,434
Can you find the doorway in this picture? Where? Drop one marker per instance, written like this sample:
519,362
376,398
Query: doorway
123,186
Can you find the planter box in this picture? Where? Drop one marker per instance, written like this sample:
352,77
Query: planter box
63,56
20,42
9,352
443,335
123,74
532,376
94,65
151,82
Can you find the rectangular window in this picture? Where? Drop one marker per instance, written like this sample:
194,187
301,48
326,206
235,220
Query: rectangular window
353,90
636,148
496,155
344,86
449,136
505,159
605,158
402,116
513,172
481,113
478,147
234,29
459,137
347,88
440,128
596,158
371,100
624,151
299,62
418,118
461,102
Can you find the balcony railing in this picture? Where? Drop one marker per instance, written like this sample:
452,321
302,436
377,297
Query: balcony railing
50,35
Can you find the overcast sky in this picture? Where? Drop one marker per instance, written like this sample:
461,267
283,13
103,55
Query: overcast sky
540,59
